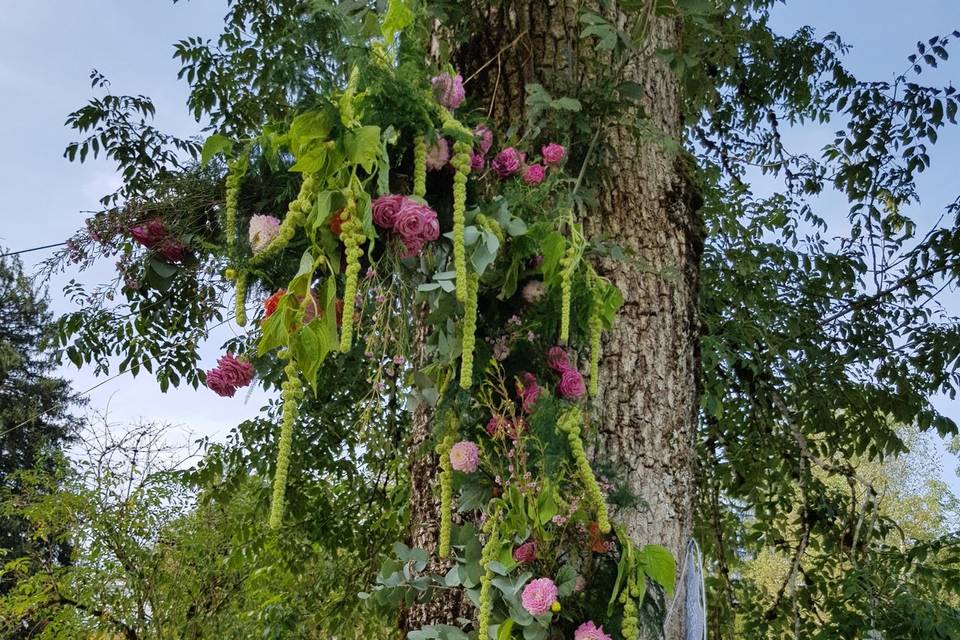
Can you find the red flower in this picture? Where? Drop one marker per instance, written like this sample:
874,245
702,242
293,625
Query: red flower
527,552
271,303
336,223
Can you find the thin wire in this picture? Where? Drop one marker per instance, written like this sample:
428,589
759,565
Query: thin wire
86,391
46,246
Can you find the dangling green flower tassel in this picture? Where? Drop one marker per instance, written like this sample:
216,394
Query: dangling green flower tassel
352,236
296,216
486,579
461,163
569,423
469,331
629,627
292,392
566,276
419,167
491,225
240,306
446,495
232,199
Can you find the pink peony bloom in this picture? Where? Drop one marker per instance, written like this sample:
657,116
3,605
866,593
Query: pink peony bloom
553,154
589,631
385,210
477,162
529,391
218,383
263,229
538,596
464,456
571,384
557,359
239,373
534,174
438,154
507,162
484,138
527,552
448,90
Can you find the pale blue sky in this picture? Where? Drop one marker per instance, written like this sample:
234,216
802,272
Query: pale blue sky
48,47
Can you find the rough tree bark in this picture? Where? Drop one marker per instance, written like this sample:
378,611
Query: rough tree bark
650,365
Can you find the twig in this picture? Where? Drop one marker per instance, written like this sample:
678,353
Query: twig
495,57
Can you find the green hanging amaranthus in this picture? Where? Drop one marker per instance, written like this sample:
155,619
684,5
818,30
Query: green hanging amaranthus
486,578
296,216
461,163
569,423
629,627
231,202
469,331
419,167
292,393
568,266
352,236
240,301
446,495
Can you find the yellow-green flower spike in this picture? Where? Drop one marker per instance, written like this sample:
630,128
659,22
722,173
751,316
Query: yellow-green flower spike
352,236
446,496
569,423
566,275
629,627
469,331
420,167
292,392
296,216
240,303
461,163
491,225
232,199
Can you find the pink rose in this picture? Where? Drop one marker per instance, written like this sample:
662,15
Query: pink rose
448,90
464,456
239,373
527,552
557,359
484,138
553,154
477,162
534,174
507,162
150,233
571,384
263,229
538,596
385,210
438,154
589,631
528,390
172,250
217,382
409,222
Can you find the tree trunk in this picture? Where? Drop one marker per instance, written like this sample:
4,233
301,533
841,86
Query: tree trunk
646,409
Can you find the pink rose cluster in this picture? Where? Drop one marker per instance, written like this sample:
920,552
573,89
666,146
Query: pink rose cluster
414,222
571,385
153,234
448,89
538,596
590,631
465,456
229,375
510,162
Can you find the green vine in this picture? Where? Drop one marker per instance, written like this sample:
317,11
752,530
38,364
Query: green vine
469,331
292,392
569,423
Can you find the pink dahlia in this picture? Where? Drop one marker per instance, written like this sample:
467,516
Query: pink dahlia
528,390
534,174
438,154
484,138
557,359
448,90
553,154
538,595
527,552
464,456
589,631
571,384
507,162
385,210
263,229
